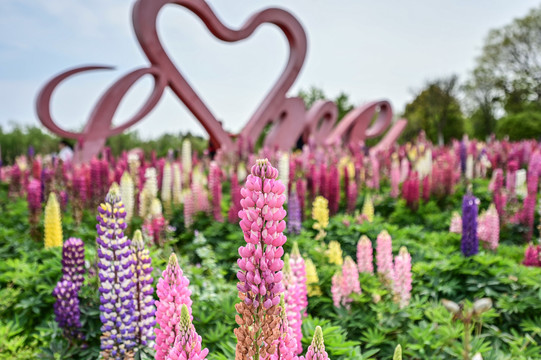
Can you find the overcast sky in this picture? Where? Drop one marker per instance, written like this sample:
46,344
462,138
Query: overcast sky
368,49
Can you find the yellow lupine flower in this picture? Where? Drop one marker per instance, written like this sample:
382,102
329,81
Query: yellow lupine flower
368,208
335,253
312,280
320,213
127,193
52,223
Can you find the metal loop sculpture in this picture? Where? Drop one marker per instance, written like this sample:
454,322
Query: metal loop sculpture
287,115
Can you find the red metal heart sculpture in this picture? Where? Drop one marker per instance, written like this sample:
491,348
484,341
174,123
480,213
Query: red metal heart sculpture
288,116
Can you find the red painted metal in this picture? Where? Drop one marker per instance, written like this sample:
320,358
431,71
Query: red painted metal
288,116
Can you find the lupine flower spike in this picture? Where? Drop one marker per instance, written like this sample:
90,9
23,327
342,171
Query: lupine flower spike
260,276
402,277
73,261
286,346
52,223
470,243
384,256
116,283
143,291
298,267
187,344
320,213
397,353
368,209
365,257
334,253
66,308
316,351
312,279
292,303
173,292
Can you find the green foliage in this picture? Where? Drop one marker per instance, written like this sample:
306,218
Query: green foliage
19,139
436,110
523,125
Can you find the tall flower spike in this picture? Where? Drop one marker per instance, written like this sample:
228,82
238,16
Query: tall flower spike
320,213
143,291
186,161
316,351
116,283
365,257
384,256
402,277
368,208
66,308
215,187
334,253
456,223
298,267
52,223
469,243
34,206
312,279
173,292
286,346
73,261
127,194
177,184
397,353
294,224
336,289
292,303
167,188
260,276
489,228
187,344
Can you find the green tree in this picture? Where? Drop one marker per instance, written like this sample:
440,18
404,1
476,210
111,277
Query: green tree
436,110
523,125
508,71
314,94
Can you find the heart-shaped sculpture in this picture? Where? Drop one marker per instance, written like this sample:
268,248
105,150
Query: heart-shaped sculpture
145,13
288,116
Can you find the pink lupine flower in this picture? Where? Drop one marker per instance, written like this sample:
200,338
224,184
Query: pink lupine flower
298,268
511,178
286,345
316,351
456,223
426,188
410,190
384,255
395,177
187,345
336,289
488,230
365,258
292,304
215,186
402,277
350,276
173,292
235,200
260,276
374,162
333,185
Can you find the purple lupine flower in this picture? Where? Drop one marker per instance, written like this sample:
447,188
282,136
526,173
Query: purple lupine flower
469,243
463,157
66,308
333,185
116,279
294,224
143,291
73,261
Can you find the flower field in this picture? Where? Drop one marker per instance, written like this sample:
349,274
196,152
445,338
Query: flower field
415,252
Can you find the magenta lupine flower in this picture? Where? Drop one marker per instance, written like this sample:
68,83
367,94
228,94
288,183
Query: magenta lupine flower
34,206
262,223
260,276
95,180
235,200
116,285
323,181
143,291
66,308
351,196
532,255
187,345
292,304
333,192
286,345
215,186
365,257
73,261
374,162
316,351
410,190
511,176
426,188
384,255
402,277
499,197
298,268
528,211
173,292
